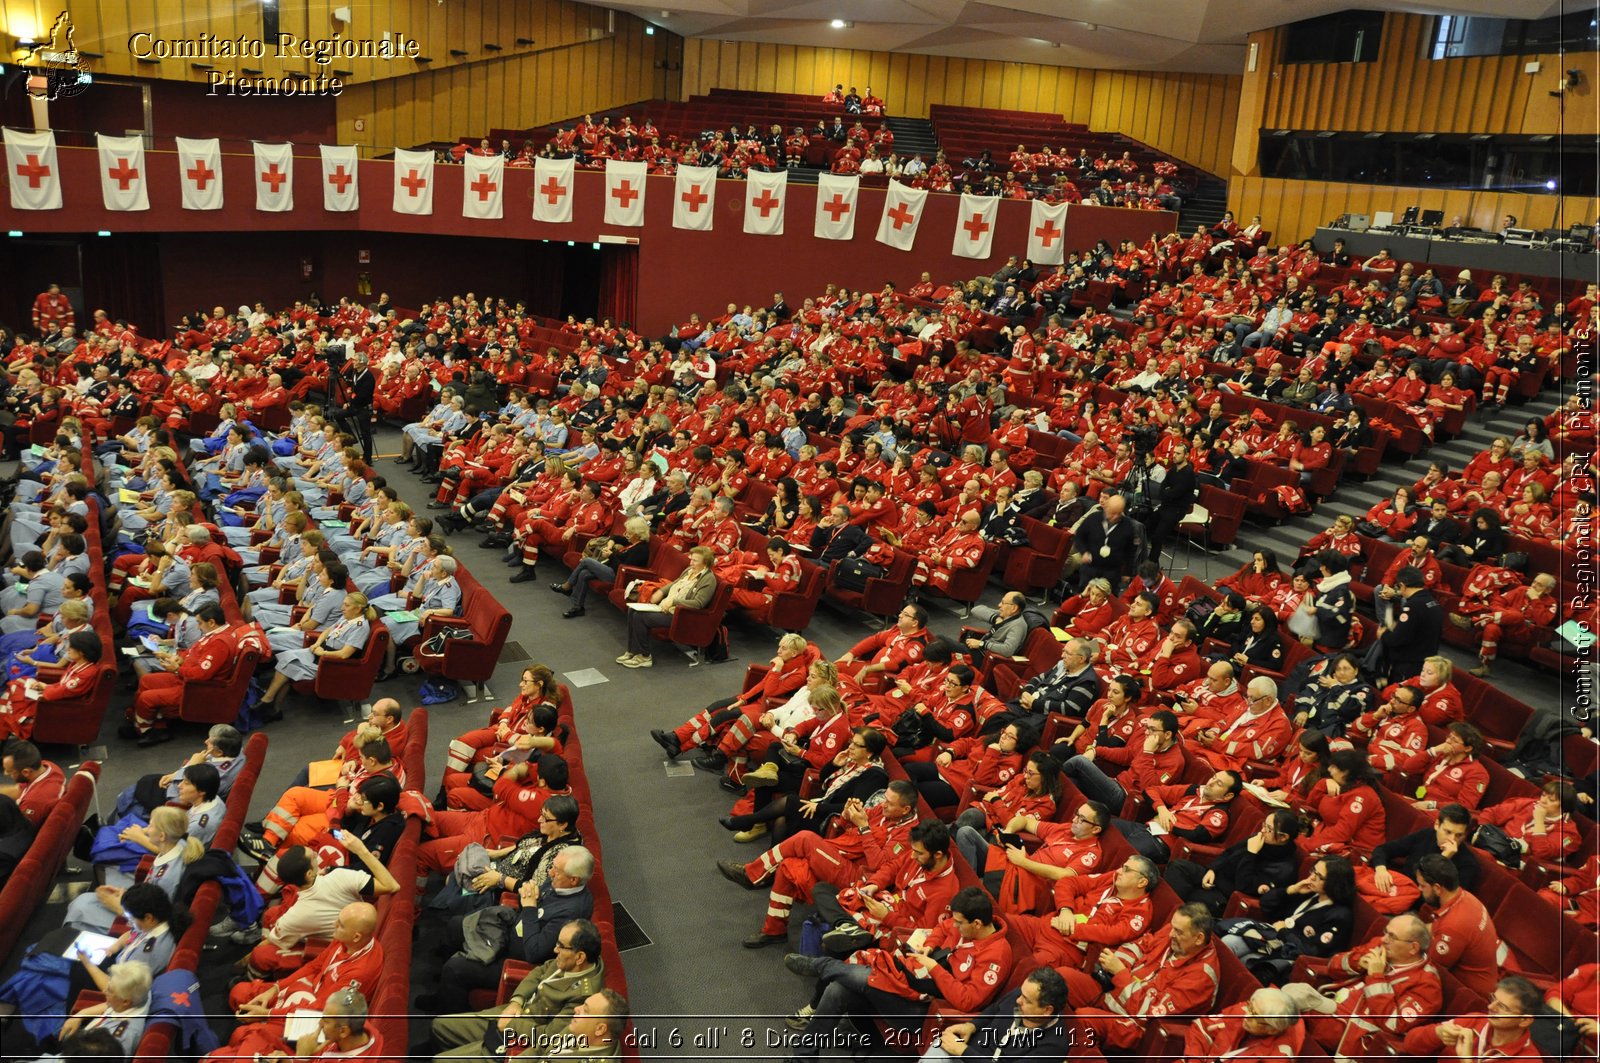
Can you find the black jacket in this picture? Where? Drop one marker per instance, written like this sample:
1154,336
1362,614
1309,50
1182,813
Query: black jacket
1239,869
835,544
1419,621
989,1041
540,925
1402,854
1321,930
1123,541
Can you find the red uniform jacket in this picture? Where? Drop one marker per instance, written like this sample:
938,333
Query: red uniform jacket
1169,673
891,648
1143,770
1156,984
978,969
1261,737
922,897
1465,943
1353,822
41,795
1023,891
1462,784
334,969
1516,818
1379,1008
1192,810
1111,920
1222,1036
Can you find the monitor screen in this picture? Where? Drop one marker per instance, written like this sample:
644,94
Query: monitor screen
1433,217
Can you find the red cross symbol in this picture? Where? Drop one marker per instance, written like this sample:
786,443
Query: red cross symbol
123,174
766,202
694,197
902,217
975,227
412,183
33,171
552,190
483,186
836,207
339,179
625,194
201,175
181,998
274,177
1047,233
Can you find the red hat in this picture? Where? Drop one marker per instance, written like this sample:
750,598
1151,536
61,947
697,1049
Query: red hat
1260,416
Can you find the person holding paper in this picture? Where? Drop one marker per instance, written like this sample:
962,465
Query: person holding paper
160,692
441,598
21,707
693,589
168,834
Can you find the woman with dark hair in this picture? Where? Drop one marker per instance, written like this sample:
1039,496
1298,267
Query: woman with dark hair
1034,791
25,697
1312,917
857,771
1257,578
1258,643
1535,437
527,860
1335,699
1351,816
1262,862
783,508
1483,542
1293,784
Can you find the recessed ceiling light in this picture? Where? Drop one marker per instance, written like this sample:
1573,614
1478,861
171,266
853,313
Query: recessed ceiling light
838,23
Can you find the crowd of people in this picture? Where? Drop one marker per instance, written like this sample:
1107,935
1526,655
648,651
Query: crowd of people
882,422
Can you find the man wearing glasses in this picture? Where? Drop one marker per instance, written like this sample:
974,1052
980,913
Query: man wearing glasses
1068,688
542,1005
1065,849
1258,732
1108,909
1155,761
1389,988
889,650
1503,1030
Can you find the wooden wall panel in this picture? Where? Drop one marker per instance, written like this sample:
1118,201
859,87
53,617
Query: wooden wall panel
514,92
1404,91
1188,116
105,26
1292,210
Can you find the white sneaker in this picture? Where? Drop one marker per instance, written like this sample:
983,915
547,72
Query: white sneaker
639,661
625,658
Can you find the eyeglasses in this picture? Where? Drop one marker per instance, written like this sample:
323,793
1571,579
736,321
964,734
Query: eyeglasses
1500,1007
1079,817
562,946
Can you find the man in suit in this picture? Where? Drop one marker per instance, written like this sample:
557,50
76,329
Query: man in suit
541,1006
836,538
1107,544
1439,527
1024,1024
566,897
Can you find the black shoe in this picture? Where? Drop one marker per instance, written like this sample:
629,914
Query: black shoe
561,588
528,574
846,938
495,541
714,762
575,611
761,941
727,783
128,731
668,741
271,714
257,826
726,823
733,871
258,847
438,505
154,738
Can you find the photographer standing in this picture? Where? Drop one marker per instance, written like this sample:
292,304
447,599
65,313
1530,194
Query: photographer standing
360,385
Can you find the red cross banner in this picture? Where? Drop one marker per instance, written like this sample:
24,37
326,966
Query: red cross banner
694,197
413,182
902,213
836,206
274,176
1047,233
483,190
200,173
765,197
552,190
624,193
122,172
31,170
975,226
340,188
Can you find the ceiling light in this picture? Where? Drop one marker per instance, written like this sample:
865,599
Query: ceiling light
1542,138
1374,136
1426,136
13,232
1327,133
649,31
107,232
1480,136
838,23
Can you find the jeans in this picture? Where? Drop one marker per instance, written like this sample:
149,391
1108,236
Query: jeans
974,845
1143,842
1093,783
587,570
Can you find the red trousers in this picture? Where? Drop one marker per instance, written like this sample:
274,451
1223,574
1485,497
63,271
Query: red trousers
159,694
796,864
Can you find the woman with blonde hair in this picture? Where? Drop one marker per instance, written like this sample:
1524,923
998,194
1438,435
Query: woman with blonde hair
168,835
339,641
603,558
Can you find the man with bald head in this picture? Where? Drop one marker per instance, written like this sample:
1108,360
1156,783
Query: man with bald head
1258,732
957,550
353,960
1107,543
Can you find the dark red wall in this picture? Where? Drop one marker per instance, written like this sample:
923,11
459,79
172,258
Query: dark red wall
180,109
679,271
